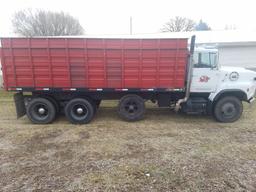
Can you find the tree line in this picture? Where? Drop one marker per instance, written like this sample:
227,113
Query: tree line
181,24
32,23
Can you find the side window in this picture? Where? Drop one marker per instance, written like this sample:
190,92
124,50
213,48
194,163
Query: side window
213,59
204,60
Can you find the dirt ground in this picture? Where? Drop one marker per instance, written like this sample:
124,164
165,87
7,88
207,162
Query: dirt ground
164,152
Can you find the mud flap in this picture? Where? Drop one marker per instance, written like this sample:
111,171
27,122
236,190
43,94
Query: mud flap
19,104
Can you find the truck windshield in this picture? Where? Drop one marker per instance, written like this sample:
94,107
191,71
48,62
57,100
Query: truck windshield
205,60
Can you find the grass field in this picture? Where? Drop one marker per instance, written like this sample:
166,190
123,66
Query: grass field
164,152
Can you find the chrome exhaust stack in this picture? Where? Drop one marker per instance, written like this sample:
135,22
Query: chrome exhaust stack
189,75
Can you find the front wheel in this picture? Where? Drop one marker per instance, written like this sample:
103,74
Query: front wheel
228,109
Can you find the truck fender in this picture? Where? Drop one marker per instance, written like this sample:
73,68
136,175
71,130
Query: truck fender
240,94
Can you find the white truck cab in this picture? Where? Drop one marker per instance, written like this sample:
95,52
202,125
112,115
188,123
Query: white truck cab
225,87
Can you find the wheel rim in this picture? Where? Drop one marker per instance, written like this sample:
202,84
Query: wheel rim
228,110
40,111
131,107
79,111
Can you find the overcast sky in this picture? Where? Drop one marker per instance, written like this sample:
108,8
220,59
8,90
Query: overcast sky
112,16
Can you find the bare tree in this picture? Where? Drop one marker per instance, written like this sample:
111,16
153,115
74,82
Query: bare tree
45,23
179,24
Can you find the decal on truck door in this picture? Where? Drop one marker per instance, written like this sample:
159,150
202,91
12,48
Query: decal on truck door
204,79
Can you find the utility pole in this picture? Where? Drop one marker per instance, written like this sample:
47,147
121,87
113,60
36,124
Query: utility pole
130,25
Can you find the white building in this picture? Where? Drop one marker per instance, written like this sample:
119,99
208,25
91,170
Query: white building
236,48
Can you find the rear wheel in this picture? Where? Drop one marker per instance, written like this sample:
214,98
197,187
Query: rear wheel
41,111
228,109
79,111
131,108
54,102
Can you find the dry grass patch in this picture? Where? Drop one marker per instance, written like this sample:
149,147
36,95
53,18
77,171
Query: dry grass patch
164,152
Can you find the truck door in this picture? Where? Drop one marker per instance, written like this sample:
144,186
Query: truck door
205,72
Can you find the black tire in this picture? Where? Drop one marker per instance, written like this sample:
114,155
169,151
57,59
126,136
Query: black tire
228,109
41,111
131,108
83,116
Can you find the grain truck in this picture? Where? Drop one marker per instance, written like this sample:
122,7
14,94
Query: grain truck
72,75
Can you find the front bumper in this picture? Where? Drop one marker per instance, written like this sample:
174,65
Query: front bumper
251,94
251,99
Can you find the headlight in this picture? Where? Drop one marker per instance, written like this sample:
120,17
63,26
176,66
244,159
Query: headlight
233,76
